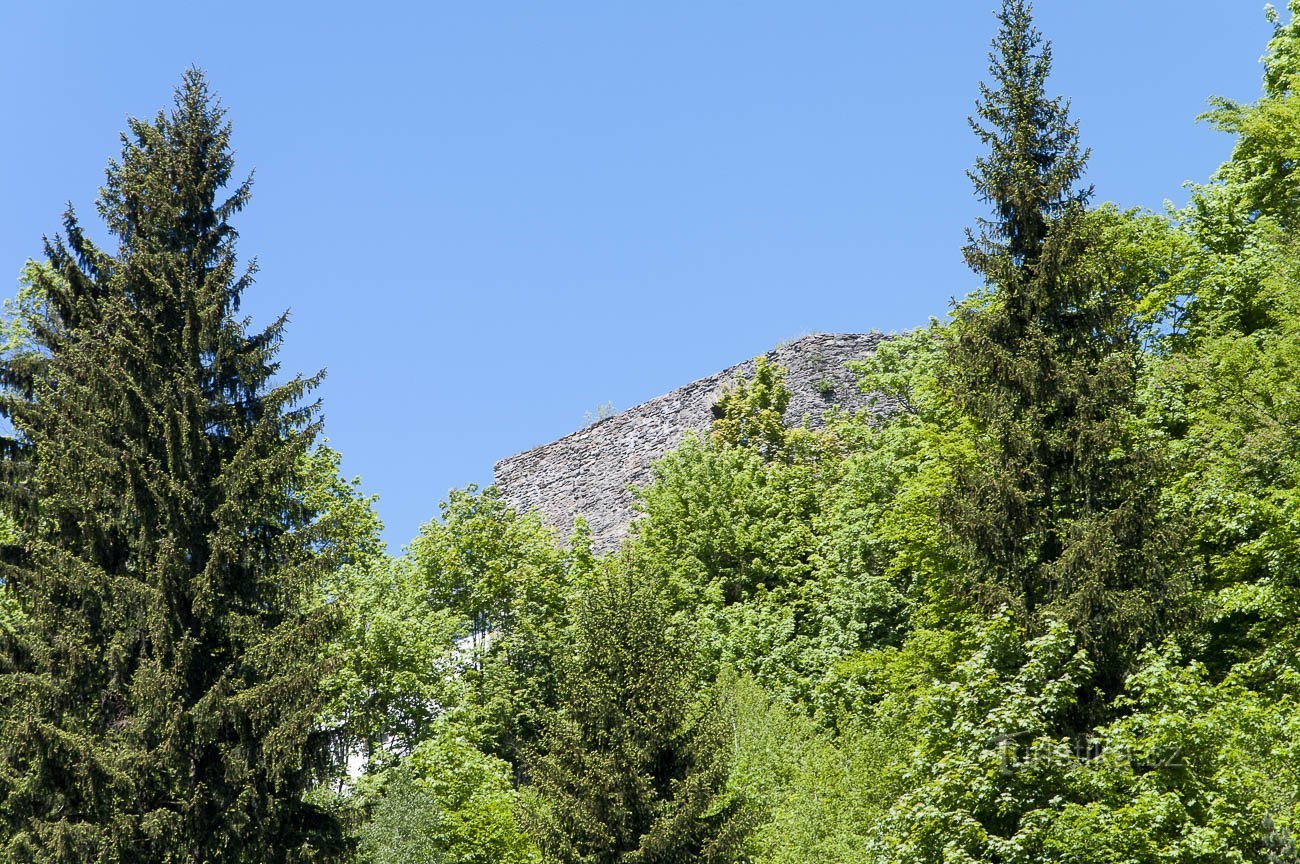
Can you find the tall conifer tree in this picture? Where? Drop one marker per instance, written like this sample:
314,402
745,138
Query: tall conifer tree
1057,512
160,692
633,763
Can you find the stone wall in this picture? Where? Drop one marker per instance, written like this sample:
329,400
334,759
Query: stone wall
589,472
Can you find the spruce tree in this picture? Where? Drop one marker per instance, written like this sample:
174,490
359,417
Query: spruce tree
634,760
160,693
1056,513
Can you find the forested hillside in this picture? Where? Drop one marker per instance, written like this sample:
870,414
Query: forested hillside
1045,612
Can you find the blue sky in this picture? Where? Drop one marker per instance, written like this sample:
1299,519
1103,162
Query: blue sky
489,218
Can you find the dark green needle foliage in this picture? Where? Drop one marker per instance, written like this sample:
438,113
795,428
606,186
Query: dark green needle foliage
634,759
1030,175
161,690
1057,511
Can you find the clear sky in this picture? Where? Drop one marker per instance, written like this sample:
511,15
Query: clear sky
489,218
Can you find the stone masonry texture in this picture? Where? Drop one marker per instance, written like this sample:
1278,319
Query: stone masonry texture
592,472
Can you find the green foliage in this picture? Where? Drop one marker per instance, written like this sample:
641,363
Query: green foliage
445,802
757,538
1033,161
24,310
504,577
393,673
633,762
491,566
1192,771
728,522
887,515
752,412
961,633
987,763
1229,398
1224,384
1057,514
399,661
928,639
818,795
162,692
346,523
1260,179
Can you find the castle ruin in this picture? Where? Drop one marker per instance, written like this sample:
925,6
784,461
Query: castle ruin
591,472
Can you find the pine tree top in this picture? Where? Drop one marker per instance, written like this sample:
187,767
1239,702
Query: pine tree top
1034,162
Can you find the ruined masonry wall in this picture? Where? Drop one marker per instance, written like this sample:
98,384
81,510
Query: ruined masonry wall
589,472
